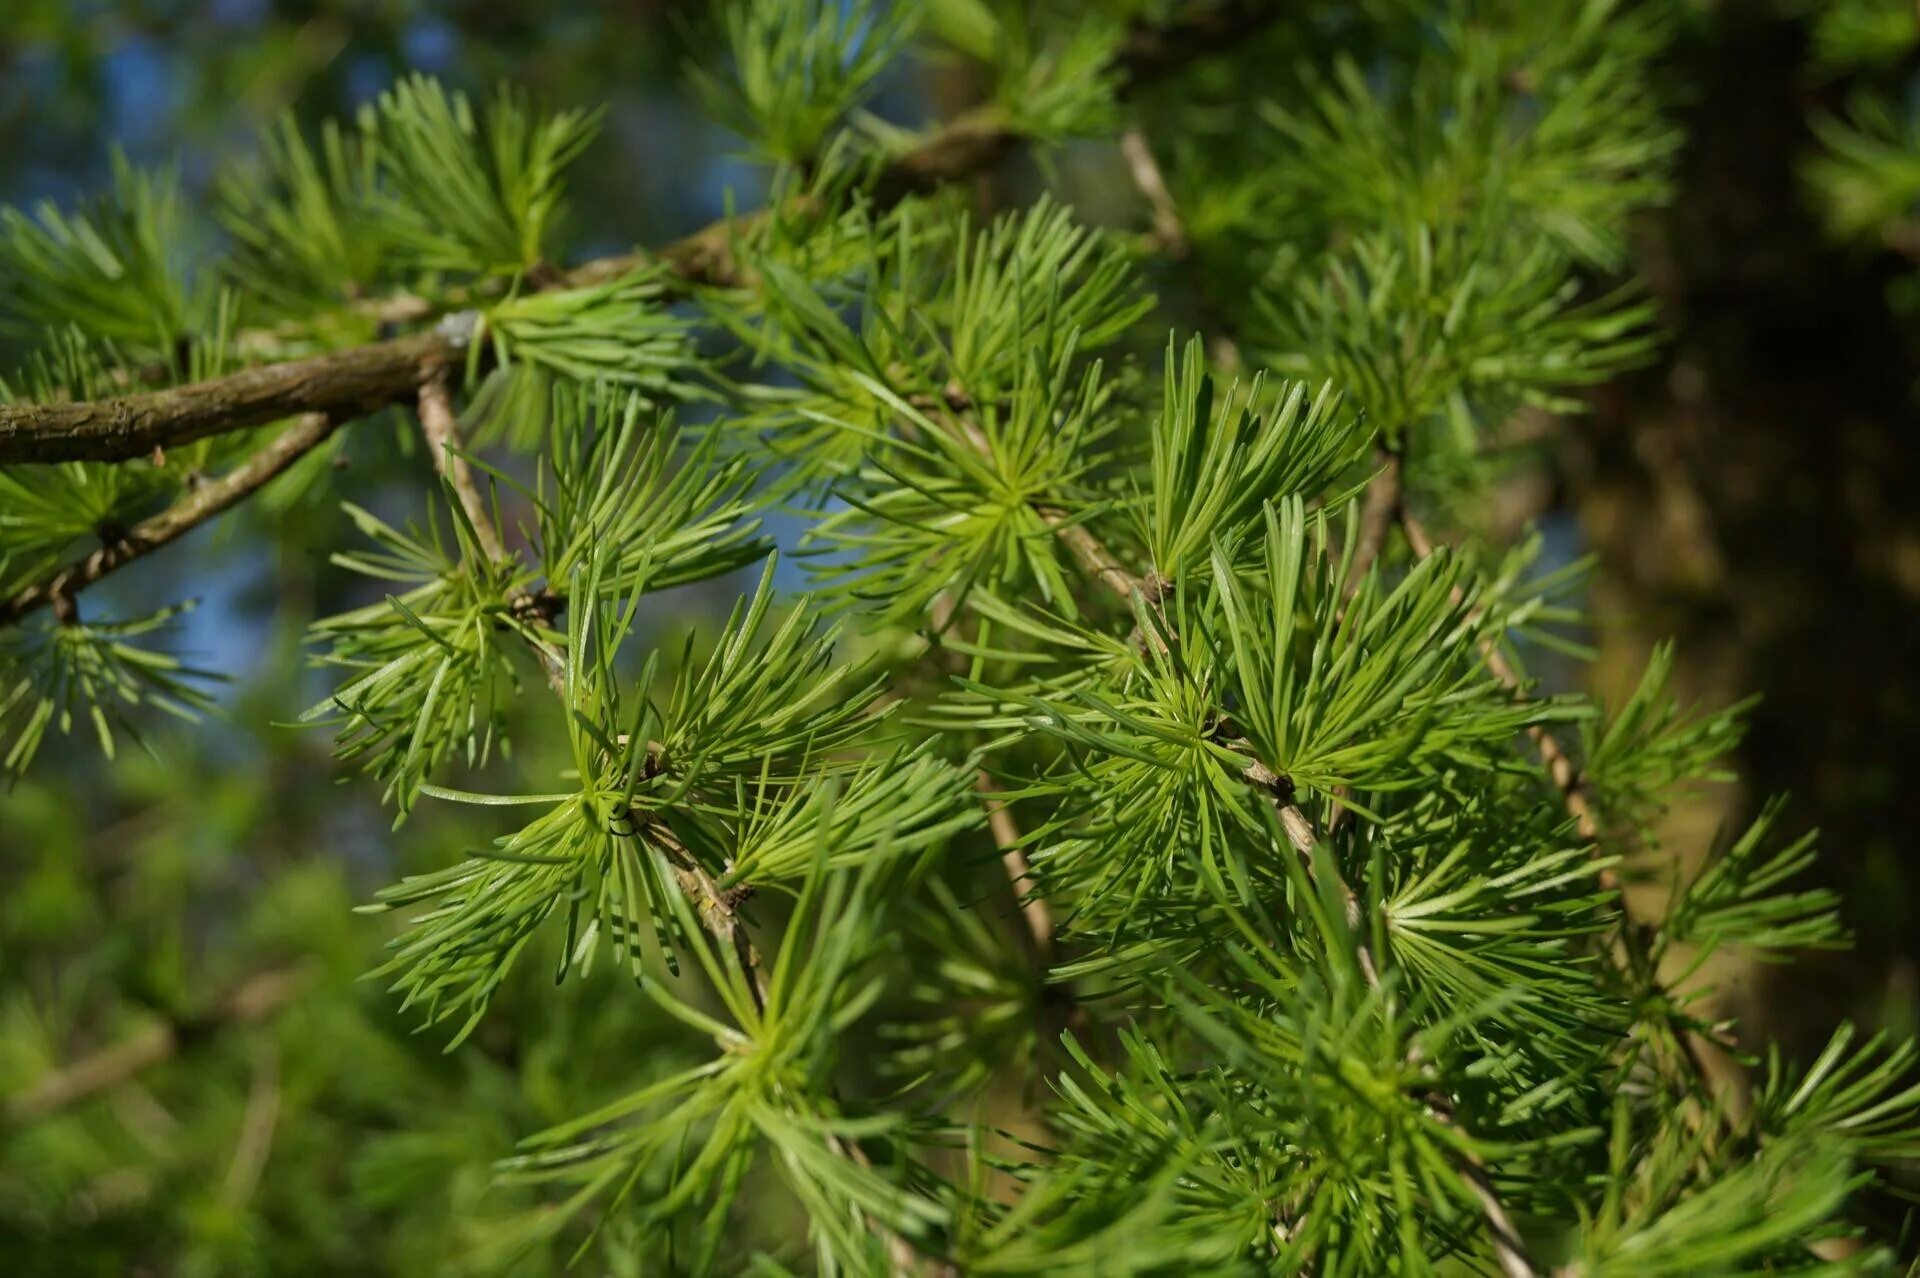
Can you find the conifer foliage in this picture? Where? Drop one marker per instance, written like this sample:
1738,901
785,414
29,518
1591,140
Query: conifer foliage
1114,834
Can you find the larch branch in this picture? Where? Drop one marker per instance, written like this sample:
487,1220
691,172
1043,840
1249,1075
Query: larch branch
344,385
1100,562
1508,1250
1034,910
355,382
202,503
1152,52
1565,775
1298,828
717,907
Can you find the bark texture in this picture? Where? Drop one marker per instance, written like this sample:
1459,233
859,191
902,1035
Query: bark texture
349,383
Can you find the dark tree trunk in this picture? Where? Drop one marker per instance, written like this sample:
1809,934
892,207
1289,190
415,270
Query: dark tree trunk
1755,496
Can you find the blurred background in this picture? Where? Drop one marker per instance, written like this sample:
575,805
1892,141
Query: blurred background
1752,494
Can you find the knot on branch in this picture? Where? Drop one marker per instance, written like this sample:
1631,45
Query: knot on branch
1278,784
952,397
543,606
459,328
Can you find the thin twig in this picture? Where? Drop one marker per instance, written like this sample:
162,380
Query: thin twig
1000,822
256,1129
1106,568
1170,237
1152,52
718,907
1379,510
1507,1247
1298,828
442,429
1169,232
200,504
1006,836
1560,765
1092,553
720,914
1565,775
905,1258
1508,1250
1095,557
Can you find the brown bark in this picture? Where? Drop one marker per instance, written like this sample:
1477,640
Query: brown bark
969,144
345,384
1094,556
1034,909
442,429
1378,513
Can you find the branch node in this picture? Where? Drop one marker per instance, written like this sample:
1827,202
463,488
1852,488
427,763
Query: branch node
460,329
